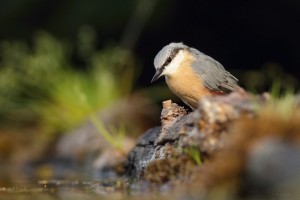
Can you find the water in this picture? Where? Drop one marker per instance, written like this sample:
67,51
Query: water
62,189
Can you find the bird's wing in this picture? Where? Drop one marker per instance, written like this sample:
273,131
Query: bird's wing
214,76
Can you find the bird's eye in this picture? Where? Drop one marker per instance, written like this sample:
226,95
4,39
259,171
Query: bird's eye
169,60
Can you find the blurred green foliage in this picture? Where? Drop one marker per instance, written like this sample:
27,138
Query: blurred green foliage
266,78
40,84
283,102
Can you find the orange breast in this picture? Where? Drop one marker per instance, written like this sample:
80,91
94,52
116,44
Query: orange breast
186,84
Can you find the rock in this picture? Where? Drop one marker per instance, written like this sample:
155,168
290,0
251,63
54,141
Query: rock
204,128
207,127
170,115
248,147
142,154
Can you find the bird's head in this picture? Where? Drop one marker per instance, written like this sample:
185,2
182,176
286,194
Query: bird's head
168,59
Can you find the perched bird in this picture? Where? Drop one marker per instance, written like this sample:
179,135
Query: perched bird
191,74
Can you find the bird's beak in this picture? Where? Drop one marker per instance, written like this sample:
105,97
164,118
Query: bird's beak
157,74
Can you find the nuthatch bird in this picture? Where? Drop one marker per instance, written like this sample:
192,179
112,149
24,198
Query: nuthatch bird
191,74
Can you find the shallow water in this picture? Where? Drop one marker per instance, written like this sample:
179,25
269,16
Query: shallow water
83,190
119,190
58,189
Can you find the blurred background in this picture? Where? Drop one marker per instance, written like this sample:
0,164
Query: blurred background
74,72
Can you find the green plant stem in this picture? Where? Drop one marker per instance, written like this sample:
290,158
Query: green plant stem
99,125
194,153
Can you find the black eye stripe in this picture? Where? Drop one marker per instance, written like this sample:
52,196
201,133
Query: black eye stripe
170,58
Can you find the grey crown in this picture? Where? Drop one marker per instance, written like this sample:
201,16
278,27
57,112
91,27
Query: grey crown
163,54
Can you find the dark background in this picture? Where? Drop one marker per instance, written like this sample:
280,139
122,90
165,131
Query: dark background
242,35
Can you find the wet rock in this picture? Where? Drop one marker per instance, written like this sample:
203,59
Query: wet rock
142,154
204,128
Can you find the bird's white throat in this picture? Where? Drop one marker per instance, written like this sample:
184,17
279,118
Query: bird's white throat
174,64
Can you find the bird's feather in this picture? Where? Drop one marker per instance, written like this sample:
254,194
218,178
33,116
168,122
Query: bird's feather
213,74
